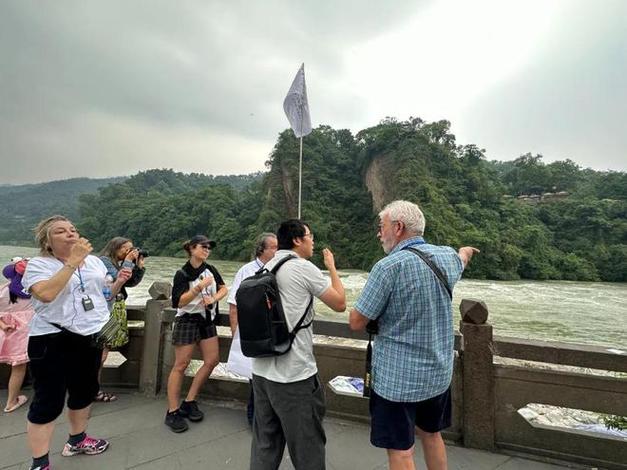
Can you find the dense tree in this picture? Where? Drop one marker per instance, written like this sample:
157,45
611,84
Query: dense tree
580,235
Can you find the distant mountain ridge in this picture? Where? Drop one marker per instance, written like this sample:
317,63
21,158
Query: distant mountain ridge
22,206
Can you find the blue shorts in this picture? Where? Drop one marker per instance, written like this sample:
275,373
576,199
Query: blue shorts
392,423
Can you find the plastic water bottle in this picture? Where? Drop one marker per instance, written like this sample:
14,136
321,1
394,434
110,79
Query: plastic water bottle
106,289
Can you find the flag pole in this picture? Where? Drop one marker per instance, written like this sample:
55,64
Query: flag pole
297,111
300,174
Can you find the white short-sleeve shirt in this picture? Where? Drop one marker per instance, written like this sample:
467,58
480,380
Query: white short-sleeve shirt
67,308
298,280
249,269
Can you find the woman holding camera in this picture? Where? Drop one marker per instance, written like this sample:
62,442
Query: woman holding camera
118,255
198,287
66,285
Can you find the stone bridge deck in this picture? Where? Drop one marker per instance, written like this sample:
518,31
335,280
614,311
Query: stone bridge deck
140,440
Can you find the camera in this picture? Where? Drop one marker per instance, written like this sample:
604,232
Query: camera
142,253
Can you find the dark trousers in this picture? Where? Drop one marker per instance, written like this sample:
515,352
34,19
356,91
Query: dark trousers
292,414
62,364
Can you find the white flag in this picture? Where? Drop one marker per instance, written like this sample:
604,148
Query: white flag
296,106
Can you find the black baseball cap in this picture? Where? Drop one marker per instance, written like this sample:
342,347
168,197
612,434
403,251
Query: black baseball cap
202,240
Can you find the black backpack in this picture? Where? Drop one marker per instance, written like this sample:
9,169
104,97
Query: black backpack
261,320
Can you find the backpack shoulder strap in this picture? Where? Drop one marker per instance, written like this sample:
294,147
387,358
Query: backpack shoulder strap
281,263
437,271
299,325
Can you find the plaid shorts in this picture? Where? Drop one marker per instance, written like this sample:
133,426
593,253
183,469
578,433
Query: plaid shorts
191,328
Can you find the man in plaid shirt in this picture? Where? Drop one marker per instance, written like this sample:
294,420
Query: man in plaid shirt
412,364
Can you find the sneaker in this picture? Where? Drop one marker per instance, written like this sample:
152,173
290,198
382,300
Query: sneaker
89,445
39,467
189,409
175,421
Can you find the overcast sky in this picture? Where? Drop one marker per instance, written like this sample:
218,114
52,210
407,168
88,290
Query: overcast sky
111,87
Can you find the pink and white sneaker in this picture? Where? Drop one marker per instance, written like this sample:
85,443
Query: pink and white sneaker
89,445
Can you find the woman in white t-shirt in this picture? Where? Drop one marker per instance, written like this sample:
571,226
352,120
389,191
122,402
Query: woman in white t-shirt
66,284
197,288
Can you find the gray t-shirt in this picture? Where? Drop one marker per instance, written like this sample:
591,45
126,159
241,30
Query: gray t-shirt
298,280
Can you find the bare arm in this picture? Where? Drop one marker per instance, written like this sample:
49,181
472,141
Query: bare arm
357,321
221,293
123,275
4,327
233,318
47,291
190,294
334,297
466,253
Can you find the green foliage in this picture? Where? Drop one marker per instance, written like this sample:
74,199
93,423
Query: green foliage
578,234
615,422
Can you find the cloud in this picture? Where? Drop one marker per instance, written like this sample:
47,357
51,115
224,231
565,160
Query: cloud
569,102
128,86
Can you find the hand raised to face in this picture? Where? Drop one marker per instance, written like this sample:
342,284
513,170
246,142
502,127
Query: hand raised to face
80,250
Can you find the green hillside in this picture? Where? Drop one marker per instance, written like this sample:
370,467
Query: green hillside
25,205
530,219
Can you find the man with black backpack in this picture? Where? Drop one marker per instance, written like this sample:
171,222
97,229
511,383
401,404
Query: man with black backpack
289,397
407,301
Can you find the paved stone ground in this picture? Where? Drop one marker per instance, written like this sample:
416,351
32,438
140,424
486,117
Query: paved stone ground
140,440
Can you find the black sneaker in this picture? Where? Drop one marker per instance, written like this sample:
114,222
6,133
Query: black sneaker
190,410
175,421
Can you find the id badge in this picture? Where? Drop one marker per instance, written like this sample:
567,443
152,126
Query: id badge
88,304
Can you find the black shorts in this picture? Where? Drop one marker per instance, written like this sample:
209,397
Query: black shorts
191,328
392,423
62,363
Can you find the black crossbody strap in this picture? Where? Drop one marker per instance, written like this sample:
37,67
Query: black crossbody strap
437,271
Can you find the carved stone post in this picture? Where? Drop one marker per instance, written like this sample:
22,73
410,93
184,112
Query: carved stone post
478,375
151,365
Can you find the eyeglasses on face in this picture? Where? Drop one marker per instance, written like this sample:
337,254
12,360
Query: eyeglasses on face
206,247
381,225
310,235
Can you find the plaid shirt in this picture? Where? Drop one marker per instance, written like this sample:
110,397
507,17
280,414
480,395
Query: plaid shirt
413,352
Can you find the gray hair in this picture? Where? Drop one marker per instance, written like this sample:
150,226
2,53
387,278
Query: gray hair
262,243
408,213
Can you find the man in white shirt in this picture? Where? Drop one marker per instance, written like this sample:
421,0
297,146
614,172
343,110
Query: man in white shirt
289,398
238,363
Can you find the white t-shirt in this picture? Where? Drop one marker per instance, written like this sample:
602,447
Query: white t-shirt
197,305
298,280
67,308
237,362
249,269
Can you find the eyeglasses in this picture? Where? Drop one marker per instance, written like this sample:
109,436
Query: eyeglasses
381,225
310,235
206,247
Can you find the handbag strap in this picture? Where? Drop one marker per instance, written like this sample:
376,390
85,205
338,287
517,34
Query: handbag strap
437,271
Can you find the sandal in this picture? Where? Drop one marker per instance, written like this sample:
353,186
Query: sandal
20,401
105,397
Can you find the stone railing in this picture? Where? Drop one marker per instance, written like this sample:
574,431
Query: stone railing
492,382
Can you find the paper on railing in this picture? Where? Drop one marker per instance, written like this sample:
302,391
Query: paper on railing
238,363
114,360
350,386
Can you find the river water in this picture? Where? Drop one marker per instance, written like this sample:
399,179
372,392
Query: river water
576,312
